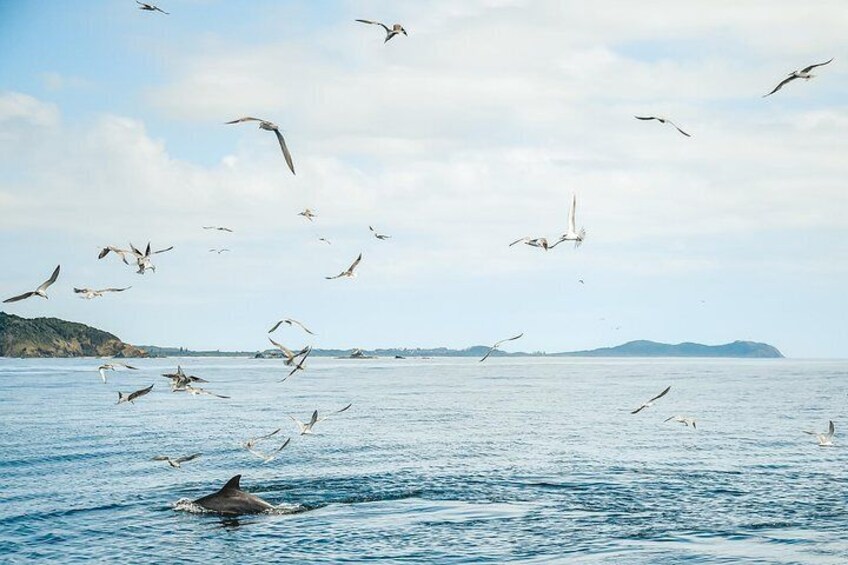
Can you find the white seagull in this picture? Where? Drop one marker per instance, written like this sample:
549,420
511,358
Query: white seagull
150,7
289,354
825,439
290,322
650,403
306,429
40,291
131,397
143,260
219,251
308,214
498,344
89,293
270,126
390,33
662,121
803,73
572,234
682,420
113,367
269,456
175,463
122,253
380,236
218,228
299,366
349,272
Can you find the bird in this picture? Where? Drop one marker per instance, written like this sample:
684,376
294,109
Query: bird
498,344
581,281
218,228
380,236
532,242
650,403
825,439
683,420
308,214
219,251
306,429
176,463
89,293
150,7
299,366
270,126
290,322
572,234
803,73
180,380
289,354
253,441
40,291
113,367
325,240
270,456
133,395
143,260
662,121
390,33
349,272
197,391
122,253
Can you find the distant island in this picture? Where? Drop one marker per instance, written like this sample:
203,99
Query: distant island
51,337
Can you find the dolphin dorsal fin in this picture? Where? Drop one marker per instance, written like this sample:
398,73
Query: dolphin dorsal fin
232,484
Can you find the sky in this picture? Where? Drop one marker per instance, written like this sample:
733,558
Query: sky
473,131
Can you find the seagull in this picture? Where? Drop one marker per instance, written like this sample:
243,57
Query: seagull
390,33
40,291
253,441
89,293
683,420
572,234
175,463
270,126
532,242
662,121
197,391
143,259
113,367
299,366
380,236
218,228
651,401
270,456
325,240
133,395
803,73
219,251
290,322
117,251
498,344
581,281
349,272
180,380
308,214
306,429
150,7
290,355
826,439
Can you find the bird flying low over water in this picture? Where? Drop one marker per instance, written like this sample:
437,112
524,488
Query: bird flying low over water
113,367
218,228
40,291
89,293
268,457
150,7
396,29
380,236
650,403
131,397
180,380
349,273
289,354
176,463
794,75
572,234
270,126
825,439
682,420
663,121
498,344
306,429
532,242
290,322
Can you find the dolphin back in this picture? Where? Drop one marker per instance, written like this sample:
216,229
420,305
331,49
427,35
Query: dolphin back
232,500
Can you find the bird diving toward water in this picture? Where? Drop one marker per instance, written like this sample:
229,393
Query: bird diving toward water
498,344
663,121
40,291
572,234
682,420
349,273
218,228
113,367
131,397
532,242
268,457
825,439
306,429
794,75
292,323
396,29
650,403
270,126
150,7
176,463
380,236
89,293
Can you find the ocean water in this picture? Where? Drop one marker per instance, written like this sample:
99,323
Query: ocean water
438,461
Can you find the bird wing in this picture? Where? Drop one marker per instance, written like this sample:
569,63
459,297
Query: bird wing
669,418
277,325
288,352
354,264
285,149
660,395
282,447
82,290
114,289
135,251
519,240
646,117
811,67
304,328
780,84
508,339
328,278
372,22
188,458
572,224
158,9
489,352
160,458
245,119
639,409
51,280
314,419
831,429
300,424
678,128
163,250
19,297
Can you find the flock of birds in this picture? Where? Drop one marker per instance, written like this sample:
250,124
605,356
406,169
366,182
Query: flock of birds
182,382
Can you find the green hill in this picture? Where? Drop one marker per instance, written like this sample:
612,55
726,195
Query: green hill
644,348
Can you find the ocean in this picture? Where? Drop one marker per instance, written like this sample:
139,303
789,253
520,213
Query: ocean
530,460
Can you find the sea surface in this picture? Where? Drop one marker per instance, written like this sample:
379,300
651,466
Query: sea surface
438,461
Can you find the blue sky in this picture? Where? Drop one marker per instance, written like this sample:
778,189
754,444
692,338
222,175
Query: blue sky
471,132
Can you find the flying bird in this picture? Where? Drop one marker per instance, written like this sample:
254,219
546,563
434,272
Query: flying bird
380,236
219,251
122,253
176,463
218,228
650,403
682,420
532,242
825,439
179,380
270,126
308,214
269,456
143,260
133,395
663,121
150,7
292,323
299,366
197,391
253,441
288,353
390,33
349,272
40,291
113,367
306,429
89,293
498,344
572,234
803,73
325,240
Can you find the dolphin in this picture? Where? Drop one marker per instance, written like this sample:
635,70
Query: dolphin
231,500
